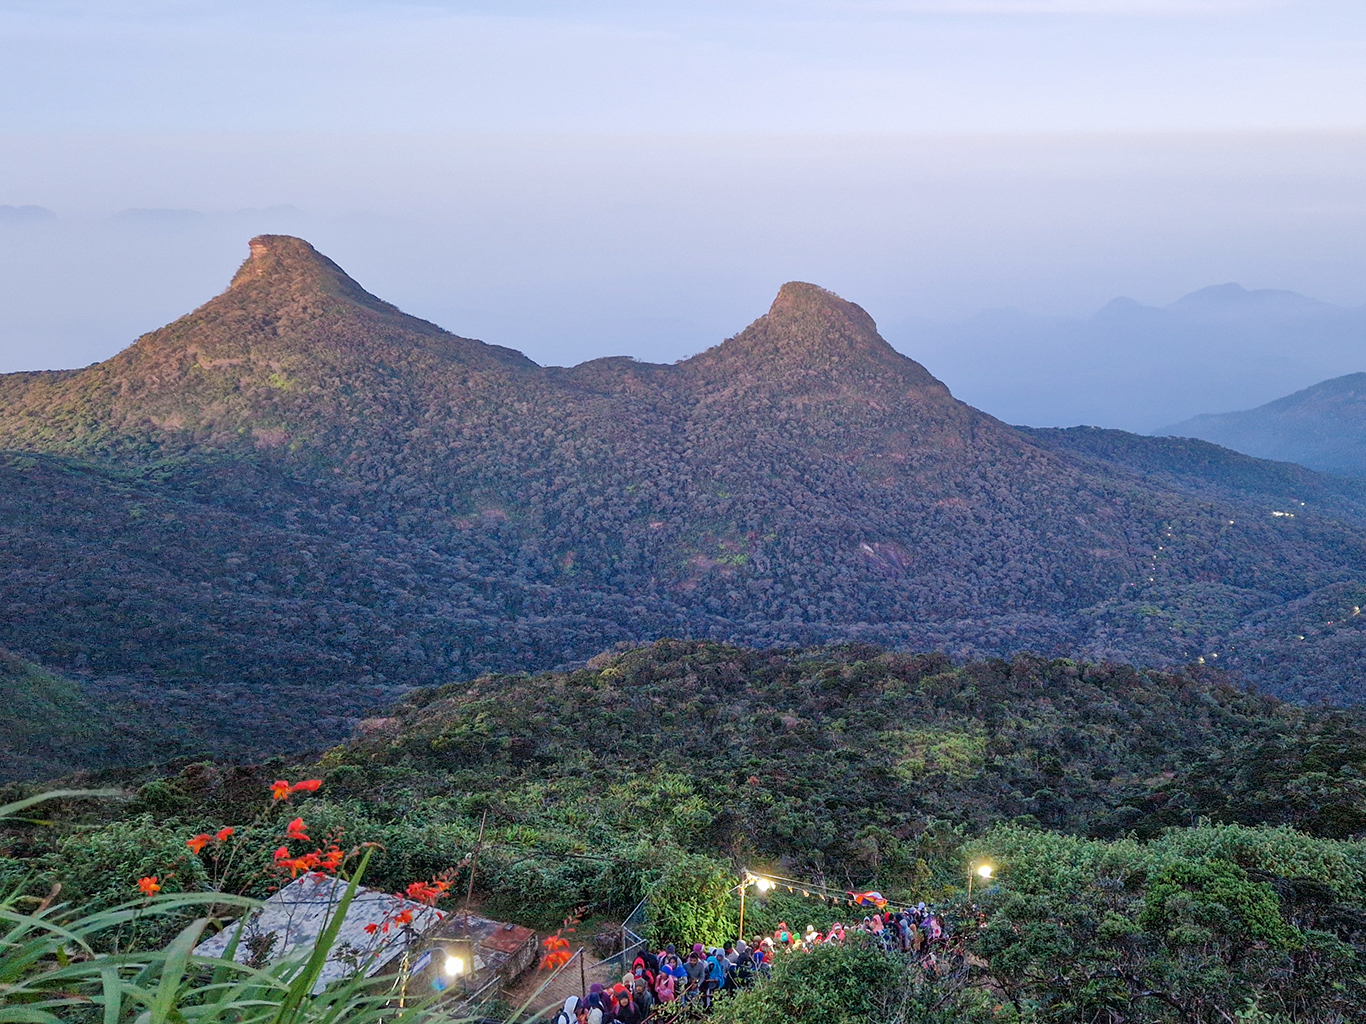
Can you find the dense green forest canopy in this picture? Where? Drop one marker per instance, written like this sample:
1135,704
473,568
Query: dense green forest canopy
836,762
299,489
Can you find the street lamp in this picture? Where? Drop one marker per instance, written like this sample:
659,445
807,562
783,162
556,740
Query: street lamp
454,959
762,884
984,871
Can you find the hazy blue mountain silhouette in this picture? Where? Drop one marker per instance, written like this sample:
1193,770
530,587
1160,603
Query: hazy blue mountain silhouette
1138,367
1322,427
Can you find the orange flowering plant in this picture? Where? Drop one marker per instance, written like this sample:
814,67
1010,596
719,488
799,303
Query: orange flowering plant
556,946
424,892
219,849
282,790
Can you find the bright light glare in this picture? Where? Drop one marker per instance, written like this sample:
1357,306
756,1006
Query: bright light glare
763,885
455,965
985,870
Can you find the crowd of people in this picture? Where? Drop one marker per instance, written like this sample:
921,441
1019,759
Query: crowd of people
700,975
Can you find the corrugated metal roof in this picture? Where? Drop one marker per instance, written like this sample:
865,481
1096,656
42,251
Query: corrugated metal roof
507,938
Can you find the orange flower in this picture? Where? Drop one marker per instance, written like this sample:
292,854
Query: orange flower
282,855
295,829
404,917
371,928
295,865
198,842
280,789
149,885
428,892
223,833
332,859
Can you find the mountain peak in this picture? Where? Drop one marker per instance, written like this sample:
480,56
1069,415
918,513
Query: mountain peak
799,300
1234,298
1214,294
811,329
289,263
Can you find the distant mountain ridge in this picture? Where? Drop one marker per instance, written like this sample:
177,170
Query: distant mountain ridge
273,515
1322,427
1138,367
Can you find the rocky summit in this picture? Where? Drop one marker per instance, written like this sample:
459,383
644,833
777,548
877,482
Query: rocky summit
299,500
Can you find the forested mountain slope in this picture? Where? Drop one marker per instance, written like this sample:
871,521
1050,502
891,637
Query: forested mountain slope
299,489
1138,823
1322,427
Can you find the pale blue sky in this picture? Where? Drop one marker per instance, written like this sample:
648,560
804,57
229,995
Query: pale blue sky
695,66
582,179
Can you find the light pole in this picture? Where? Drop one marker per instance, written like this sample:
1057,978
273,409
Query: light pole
762,884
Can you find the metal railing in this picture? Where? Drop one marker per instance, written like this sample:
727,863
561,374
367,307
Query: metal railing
579,973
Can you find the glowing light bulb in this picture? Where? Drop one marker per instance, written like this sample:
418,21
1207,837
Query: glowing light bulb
454,966
985,871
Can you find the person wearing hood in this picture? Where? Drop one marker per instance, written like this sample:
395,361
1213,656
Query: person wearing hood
640,969
666,984
643,997
715,976
627,1010
743,969
651,960
763,956
570,1013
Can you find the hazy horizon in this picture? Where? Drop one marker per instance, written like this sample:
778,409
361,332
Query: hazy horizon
600,178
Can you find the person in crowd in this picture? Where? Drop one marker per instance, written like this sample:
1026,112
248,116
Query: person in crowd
714,978
768,947
627,1012
643,998
665,983
640,970
663,976
743,968
697,972
651,961
674,966
782,935
606,1002
570,1013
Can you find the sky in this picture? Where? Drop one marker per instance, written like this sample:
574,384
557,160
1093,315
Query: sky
584,179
